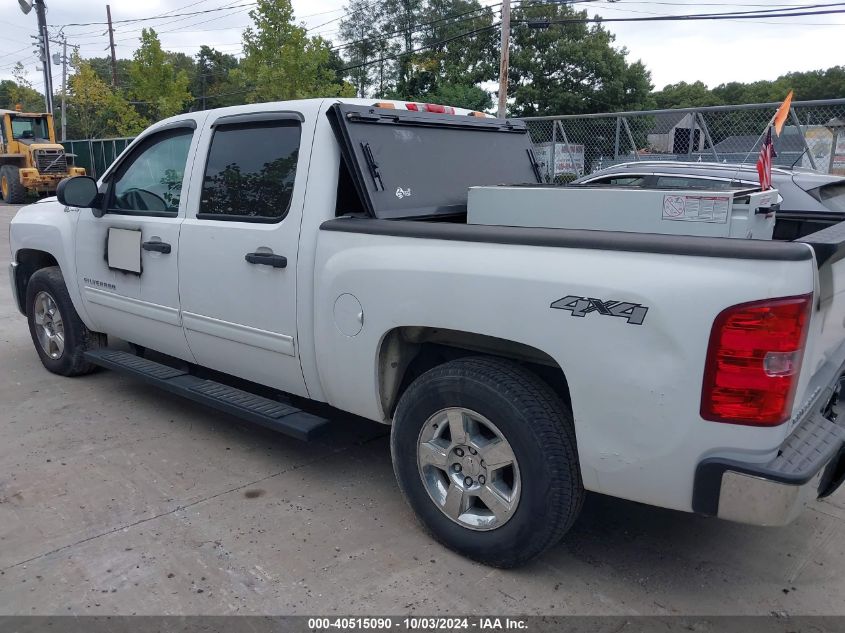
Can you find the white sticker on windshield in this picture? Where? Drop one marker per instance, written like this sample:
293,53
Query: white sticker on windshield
403,193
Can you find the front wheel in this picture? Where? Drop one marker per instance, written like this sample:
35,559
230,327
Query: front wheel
60,337
484,452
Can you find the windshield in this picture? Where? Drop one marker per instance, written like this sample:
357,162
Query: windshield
26,127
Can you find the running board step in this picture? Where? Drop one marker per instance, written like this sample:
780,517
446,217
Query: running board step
243,404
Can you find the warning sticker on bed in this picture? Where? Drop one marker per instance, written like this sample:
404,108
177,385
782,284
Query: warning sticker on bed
696,208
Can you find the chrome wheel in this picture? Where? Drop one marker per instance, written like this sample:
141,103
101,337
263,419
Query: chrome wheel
468,468
49,327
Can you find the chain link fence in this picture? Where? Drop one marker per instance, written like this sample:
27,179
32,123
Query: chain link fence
570,146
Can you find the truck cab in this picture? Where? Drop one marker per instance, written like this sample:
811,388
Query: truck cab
30,157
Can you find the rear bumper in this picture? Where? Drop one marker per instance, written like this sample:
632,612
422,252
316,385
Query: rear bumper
810,464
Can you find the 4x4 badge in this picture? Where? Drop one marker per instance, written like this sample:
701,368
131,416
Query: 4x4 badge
634,313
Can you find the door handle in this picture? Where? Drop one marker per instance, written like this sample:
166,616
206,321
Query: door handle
268,259
158,247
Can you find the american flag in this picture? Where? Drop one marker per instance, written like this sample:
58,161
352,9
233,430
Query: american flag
764,163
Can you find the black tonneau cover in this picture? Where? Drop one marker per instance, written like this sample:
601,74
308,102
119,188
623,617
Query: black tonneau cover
416,164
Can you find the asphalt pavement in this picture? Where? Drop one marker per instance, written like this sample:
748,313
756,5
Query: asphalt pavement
116,498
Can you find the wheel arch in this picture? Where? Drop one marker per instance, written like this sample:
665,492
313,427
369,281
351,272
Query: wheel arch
29,261
407,352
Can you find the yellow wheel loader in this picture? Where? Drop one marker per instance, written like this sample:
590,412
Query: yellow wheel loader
30,158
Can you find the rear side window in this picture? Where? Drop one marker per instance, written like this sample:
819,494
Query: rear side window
250,172
832,196
625,181
685,182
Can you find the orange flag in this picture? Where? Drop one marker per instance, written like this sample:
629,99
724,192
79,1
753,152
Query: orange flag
782,113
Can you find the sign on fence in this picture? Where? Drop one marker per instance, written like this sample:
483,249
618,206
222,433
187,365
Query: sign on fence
837,165
568,158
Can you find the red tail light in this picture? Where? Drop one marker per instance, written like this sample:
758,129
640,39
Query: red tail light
753,361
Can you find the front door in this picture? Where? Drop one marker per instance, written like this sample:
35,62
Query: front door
127,259
238,249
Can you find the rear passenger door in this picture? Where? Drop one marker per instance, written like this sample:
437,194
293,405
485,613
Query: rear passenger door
238,248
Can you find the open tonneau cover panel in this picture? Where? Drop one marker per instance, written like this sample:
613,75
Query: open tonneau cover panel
407,164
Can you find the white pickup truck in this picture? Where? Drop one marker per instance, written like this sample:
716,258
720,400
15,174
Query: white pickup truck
319,250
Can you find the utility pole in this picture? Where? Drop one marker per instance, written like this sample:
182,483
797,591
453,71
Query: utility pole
202,100
63,60
504,59
44,50
111,46
64,86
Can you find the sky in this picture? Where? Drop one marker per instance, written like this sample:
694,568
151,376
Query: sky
713,52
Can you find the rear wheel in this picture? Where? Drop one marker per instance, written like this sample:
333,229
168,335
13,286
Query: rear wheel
60,337
12,190
484,451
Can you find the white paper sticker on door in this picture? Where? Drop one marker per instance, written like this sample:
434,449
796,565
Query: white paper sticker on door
124,250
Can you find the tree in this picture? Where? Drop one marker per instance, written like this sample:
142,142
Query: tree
468,60
452,66
809,85
402,18
94,109
282,62
102,66
571,68
360,31
20,92
459,95
159,88
685,95
213,82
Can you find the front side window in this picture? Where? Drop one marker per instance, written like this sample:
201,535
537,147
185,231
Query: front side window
250,171
29,128
151,180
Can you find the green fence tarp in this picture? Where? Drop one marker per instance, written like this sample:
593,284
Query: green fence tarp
95,155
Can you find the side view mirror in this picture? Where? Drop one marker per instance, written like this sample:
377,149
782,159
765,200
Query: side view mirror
79,191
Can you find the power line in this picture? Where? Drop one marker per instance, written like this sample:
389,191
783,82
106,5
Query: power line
182,29
422,48
418,27
348,13
14,52
158,17
682,18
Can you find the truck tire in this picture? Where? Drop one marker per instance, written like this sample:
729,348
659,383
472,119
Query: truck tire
485,454
12,190
59,335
